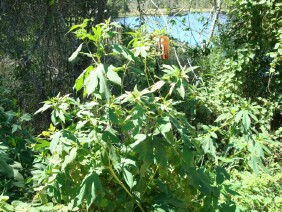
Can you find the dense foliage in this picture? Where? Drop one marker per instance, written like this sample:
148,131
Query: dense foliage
15,154
140,134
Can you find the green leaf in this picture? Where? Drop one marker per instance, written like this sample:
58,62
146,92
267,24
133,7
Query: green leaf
90,189
214,135
19,179
168,69
74,27
239,116
110,137
202,181
21,206
208,146
124,52
41,144
15,127
188,156
91,81
160,152
74,55
128,177
253,117
69,158
113,117
221,175
70,137
172,85
246,121
5,169
181,91
127,126
61,115
6,207
278,200
96,76
255,163
157,86
163,126
142,50
112,75
43,197
224,116
80,124
55,142
80,80
43,108
25,117
138,139
145,150
11,114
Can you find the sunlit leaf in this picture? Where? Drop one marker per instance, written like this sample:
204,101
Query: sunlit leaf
246,121
172,85
81,124
164,125
239,116
43,108
124,52
113,76
128,177
55,141
157,85
75,53
138,138
142,50
96,76
224,116
69,158
79,83
255,164
214,135
181,91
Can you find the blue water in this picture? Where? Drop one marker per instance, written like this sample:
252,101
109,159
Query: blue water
192,28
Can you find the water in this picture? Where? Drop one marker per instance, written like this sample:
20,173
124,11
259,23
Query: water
192,28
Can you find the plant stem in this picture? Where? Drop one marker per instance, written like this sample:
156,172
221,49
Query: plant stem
123,186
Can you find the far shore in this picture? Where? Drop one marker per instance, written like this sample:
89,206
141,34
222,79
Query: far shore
173,12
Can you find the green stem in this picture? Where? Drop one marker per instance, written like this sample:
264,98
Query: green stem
123,186
151,179
145,70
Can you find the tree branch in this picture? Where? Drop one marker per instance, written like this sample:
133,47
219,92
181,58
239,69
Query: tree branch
217,8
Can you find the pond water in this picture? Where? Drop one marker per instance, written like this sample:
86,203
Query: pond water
192,28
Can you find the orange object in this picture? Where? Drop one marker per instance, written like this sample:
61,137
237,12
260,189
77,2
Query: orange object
163,44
